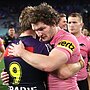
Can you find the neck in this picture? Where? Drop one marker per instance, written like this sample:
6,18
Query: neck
28,33
77,34
57,29
11,35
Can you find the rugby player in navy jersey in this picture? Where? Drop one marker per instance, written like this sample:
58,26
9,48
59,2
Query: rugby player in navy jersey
23,76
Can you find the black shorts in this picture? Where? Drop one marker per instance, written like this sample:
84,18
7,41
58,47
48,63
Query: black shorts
83,85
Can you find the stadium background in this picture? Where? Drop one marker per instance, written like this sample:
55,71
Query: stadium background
11,9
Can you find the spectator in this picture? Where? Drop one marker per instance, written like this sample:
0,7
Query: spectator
10,36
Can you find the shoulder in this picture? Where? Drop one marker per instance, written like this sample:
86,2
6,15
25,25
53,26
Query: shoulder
68,38
67,42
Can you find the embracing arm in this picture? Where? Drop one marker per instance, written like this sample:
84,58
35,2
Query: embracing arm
68,70
5,78
54,63
49,63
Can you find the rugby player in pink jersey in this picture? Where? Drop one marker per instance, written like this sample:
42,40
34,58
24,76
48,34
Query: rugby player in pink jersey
75,24
85,32
66,49
63,21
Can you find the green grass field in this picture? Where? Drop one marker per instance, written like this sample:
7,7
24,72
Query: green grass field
2,87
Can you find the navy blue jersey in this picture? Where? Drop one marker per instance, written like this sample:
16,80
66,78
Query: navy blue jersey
21,73
7,40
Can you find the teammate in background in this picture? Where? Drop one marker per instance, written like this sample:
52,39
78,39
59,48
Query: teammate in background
85,32
75,24
66,49
10,36
89,74
2,49
62,21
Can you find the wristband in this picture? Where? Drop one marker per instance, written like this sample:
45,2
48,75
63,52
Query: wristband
82,63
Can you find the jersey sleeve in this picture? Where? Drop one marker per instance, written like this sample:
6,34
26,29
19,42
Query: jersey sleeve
69,45
89,48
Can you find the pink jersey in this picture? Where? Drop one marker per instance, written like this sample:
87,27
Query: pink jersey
84,43
67,43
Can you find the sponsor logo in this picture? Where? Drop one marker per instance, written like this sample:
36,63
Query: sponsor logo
66,44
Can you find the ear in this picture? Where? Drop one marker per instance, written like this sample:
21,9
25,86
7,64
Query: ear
82,24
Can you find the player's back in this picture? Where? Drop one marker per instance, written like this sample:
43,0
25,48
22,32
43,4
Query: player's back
21,73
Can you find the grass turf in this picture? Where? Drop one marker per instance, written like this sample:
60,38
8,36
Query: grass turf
2,87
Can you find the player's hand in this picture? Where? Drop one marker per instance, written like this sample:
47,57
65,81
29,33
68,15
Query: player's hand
5,78
16,49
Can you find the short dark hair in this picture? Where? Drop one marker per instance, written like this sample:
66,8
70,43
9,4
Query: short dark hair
11,26
76,15
62,15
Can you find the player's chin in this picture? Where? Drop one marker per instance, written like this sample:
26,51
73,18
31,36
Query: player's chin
44,39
